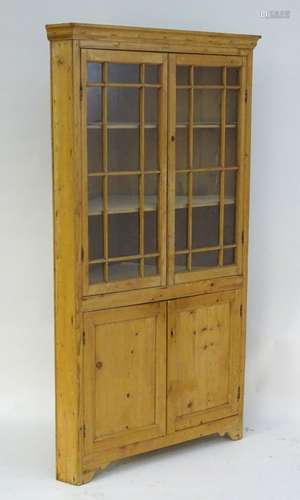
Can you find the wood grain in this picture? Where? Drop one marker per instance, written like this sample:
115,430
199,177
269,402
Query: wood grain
125,375
119,390
203,359
165,40
66,198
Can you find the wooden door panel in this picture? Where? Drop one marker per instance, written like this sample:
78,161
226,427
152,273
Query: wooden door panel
124,375
203,357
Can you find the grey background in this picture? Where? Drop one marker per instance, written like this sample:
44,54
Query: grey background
26,292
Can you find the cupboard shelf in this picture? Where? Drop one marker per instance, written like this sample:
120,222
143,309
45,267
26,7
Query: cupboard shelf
119,204
120,125
136,125
205,125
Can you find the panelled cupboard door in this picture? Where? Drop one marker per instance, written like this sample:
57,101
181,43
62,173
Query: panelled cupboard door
204,349
124,156
124,376
206,158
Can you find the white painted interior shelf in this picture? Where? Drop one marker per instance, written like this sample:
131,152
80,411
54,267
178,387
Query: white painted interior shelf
130,203
136,125
121,125
205,125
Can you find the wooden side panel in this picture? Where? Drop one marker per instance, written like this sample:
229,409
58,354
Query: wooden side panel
245,215
204,359
124,376
66,173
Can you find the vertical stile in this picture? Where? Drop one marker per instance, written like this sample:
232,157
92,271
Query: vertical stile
142,167
171,191
240,165
222,172
85,201
105,168
162,133
190,174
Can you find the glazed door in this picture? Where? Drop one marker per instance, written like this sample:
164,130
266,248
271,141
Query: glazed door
204,359
205,166
124,376
124,119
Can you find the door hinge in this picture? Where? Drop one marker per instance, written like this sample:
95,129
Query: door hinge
82,254
238,393
83,338
241,310
83,431
81,93
246,95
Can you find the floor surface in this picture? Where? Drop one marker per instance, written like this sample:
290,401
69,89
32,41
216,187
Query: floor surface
265,465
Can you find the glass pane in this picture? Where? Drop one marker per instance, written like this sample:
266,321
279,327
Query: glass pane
205,227
206,188
150,216
182,159
152,73
95,230
151,149
182,106
231,147
123,194
151,266
181,190
118,271
230,186
180,263
182,75
123,234
151,190
94,106
150,241
207,106
151,105
94,149
123,149
207,76
94,72
123,106
123,222
123,73
232,76
205,259
232,103
94,195
206,147
228,256
95,273
181,218
229,224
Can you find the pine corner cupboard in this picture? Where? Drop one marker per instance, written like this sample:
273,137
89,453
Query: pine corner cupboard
151,143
